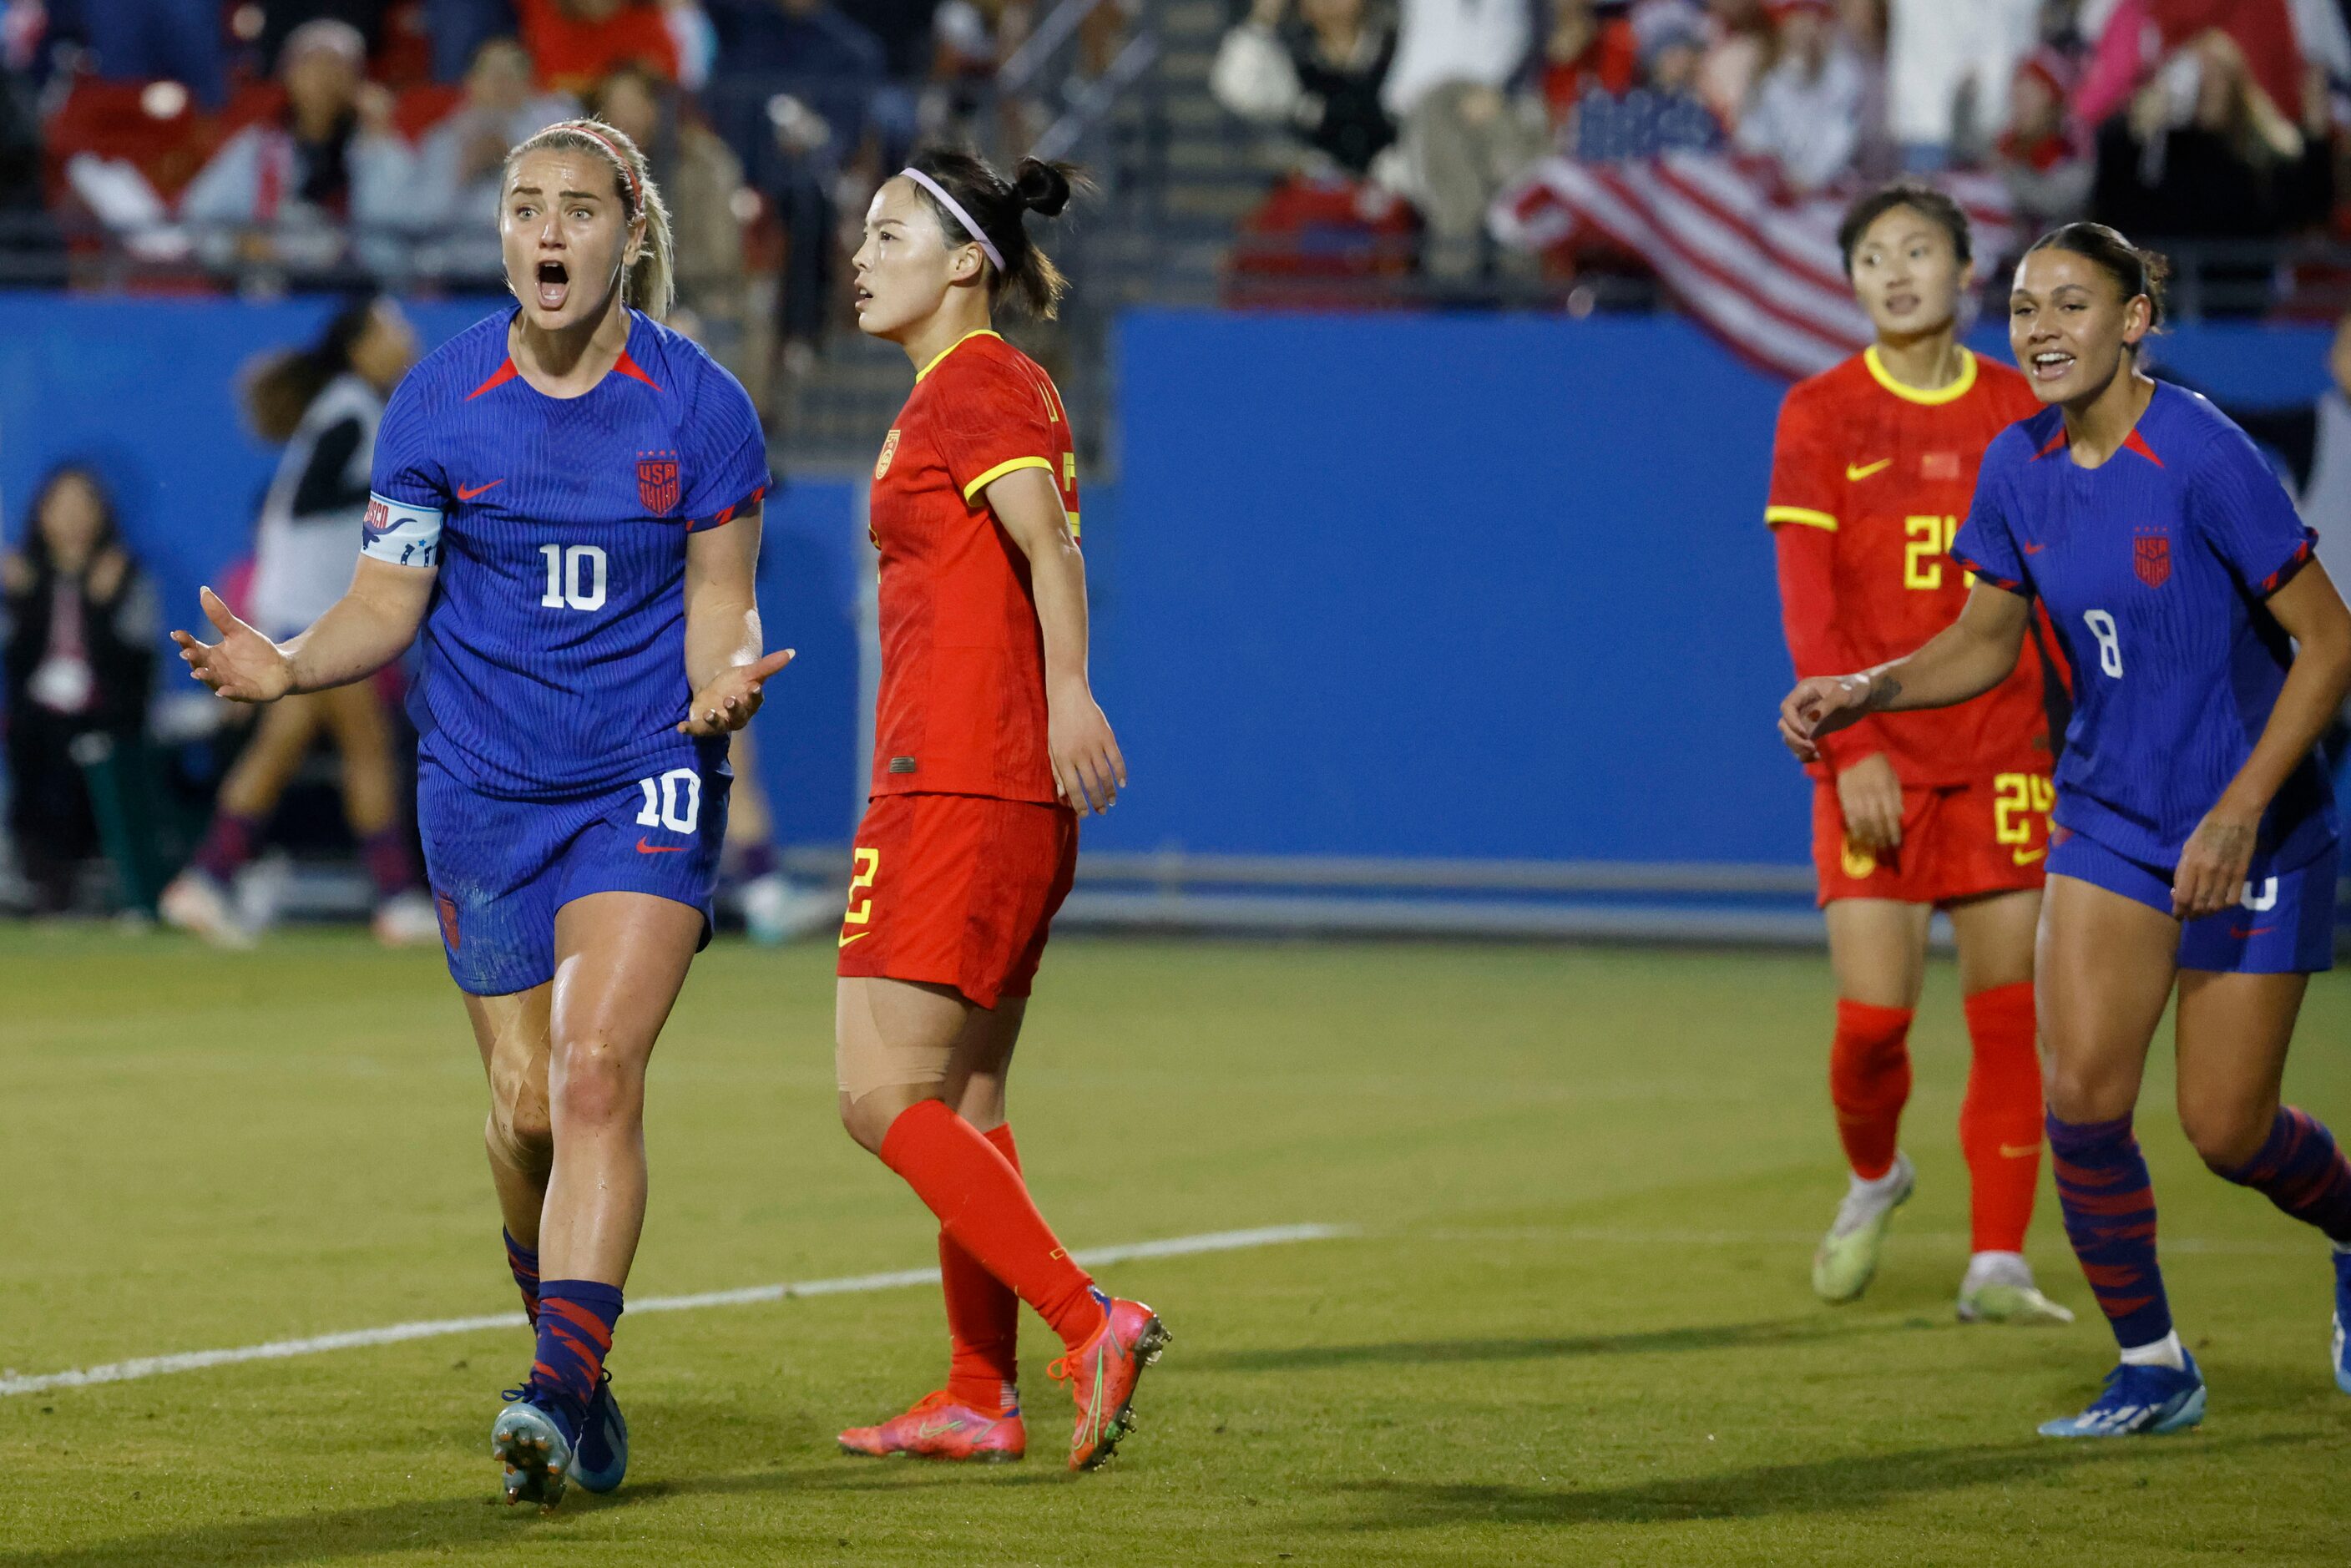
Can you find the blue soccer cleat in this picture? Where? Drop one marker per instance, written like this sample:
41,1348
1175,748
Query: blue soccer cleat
2343,1319
602,1457
536,1444
2138,1401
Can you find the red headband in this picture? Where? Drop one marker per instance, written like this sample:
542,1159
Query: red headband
628,174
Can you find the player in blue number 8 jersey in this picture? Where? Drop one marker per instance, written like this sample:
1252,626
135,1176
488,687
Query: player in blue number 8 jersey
566,504
2196,831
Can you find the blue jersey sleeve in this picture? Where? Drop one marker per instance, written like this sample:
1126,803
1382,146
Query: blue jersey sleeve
1986,543
408,491
728,470
2247,516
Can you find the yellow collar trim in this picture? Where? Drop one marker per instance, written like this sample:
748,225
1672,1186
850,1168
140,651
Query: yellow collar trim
985,332
1961,384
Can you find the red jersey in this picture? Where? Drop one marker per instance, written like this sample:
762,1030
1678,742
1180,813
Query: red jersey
1869,481
962,707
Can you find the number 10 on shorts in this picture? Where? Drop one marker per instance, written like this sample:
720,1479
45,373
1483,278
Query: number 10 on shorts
676,805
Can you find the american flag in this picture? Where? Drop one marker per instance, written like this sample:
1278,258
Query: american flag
1761,269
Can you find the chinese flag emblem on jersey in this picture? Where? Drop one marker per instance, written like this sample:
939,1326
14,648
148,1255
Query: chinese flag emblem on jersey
2151,558
657,483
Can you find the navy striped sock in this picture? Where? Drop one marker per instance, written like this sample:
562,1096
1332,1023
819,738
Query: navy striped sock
575,1333
523,1262
2301,1170
2109,1205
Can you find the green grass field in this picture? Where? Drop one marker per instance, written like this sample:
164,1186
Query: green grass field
1571,1323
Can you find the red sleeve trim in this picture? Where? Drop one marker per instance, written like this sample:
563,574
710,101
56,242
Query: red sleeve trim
2302,556
725,514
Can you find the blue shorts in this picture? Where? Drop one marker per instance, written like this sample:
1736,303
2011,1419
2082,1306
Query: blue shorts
2284,925
500,868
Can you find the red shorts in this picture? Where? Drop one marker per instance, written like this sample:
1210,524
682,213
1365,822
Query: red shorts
1958,842
957,890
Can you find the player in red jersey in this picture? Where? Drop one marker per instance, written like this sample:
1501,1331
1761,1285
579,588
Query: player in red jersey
988,743
1872,469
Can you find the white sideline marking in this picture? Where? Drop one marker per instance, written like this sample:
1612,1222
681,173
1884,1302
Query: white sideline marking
393,1334
1585,1235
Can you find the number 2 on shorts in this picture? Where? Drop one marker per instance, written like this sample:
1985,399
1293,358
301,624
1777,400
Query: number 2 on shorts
860,910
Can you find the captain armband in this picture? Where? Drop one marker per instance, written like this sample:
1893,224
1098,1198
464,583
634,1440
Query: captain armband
400,534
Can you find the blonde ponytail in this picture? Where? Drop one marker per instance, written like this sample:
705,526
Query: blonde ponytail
652,283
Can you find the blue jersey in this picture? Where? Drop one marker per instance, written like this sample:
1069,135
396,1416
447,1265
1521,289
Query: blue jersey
2155,567
554,652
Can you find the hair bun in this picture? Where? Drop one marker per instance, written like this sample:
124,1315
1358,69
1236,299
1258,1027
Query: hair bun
1042,187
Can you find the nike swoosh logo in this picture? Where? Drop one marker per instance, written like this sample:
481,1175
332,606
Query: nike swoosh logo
2035,550
2018,1151
645,849
2241,932
1856,473
2026,857
465,495
858,937
934,1428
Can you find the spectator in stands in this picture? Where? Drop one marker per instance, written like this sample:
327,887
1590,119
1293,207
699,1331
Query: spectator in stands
700,180
459,28
1663,113
1949,68
279,19
80,660
454,199
2202,153
1464,132
2042,155
280,193
1321,78
135,40
795,84
1738,52
1806,115
577,43
1584,50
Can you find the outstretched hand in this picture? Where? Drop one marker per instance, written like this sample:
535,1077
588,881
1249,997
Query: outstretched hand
728,703
244,666
1821,704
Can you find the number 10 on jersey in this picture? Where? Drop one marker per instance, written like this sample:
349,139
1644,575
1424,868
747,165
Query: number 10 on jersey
575,578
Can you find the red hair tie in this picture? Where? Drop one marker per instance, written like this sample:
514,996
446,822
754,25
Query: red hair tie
628,174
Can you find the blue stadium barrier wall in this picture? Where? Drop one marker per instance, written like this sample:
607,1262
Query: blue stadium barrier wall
145,391
1468,586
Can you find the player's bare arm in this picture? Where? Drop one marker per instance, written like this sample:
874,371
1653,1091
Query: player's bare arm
1964,660
723,636
2211,872
1088,770
368,628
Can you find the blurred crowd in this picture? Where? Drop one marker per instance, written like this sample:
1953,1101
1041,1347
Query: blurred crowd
2215,121
271,145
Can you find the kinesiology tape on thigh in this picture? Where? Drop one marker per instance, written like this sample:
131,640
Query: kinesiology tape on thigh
872,1064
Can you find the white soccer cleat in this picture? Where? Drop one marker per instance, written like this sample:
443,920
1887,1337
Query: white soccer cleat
196,904
1998,1289
775,910
1847,1257
407,920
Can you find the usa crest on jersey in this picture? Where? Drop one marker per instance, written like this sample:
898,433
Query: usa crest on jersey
2151,557
657,482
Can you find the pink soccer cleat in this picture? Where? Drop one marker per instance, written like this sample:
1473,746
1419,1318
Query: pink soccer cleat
1102,1374
939,1429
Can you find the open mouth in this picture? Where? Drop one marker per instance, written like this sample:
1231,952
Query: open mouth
554,285
1901,304
2051,364
864,295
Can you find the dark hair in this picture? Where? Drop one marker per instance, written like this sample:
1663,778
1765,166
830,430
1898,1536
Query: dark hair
999,206
36,545
281,388
2134,270
1917,194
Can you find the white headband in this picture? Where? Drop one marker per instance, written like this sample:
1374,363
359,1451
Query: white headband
955,211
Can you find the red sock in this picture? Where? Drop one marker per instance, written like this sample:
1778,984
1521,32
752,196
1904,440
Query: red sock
982,1203
1999,1119
1869,1082
983,1317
